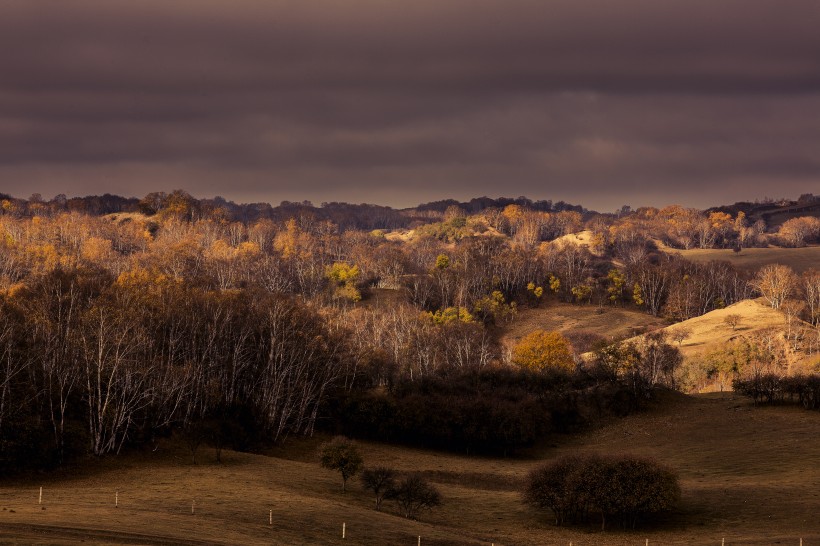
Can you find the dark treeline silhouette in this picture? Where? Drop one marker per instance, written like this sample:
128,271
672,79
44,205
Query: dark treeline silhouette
91,364
774,388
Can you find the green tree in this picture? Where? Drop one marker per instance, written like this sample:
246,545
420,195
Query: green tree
342,455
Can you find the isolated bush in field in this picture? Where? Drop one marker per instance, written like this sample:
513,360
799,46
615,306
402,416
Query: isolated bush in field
554,486
341,454
625,489
542,350
732,320
414,494
381,481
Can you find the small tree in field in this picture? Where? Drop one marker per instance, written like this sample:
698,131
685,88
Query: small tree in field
680,334
341,454
732,320
414,494
381,480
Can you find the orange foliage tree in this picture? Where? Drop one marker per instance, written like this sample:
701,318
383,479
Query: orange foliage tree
542,350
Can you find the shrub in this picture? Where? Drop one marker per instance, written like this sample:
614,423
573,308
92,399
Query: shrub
381,480
546,351
414,494
771,388
626,489
493,411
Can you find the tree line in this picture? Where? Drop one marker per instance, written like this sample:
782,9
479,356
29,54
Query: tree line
116,329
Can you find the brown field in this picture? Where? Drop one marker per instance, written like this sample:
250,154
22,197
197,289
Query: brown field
751,259
610,322
749,475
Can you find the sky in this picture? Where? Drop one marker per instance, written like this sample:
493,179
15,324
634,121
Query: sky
595,102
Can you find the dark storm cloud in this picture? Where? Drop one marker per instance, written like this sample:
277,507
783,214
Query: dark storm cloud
597,102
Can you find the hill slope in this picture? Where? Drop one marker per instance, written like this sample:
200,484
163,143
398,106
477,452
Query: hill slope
748,474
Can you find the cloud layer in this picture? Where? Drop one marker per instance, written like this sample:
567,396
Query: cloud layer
597,102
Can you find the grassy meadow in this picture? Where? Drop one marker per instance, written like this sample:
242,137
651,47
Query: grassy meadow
610,322
748,475
752,259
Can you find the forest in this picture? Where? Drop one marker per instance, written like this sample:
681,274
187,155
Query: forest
125,320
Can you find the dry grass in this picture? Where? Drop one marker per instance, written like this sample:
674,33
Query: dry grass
610,322
752,259
748,474
710,331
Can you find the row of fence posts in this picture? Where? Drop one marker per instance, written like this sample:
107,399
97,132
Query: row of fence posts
344,524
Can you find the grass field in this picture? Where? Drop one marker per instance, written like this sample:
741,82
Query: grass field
610,322
749,475
752,259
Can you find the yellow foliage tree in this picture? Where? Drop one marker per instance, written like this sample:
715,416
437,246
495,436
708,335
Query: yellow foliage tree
344,276
542,350
450,314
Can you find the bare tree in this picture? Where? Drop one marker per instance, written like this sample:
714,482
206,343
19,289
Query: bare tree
381,481
414,494
776,283
680,334
732,320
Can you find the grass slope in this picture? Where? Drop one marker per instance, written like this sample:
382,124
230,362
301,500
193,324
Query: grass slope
748,474
610,322
752,259
709,331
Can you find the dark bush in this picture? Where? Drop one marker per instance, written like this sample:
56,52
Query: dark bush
773,388
494,411
342,455
414,494
625,489
381,481
27,444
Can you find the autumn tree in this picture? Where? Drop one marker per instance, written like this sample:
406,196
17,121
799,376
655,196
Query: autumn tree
544,351
344,278
810,282
659,360
680,334
776,283
799,231
342,455
732,320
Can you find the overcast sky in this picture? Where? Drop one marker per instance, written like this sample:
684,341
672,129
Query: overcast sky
596,102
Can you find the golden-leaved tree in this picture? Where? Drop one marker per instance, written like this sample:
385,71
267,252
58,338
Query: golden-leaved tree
543,351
